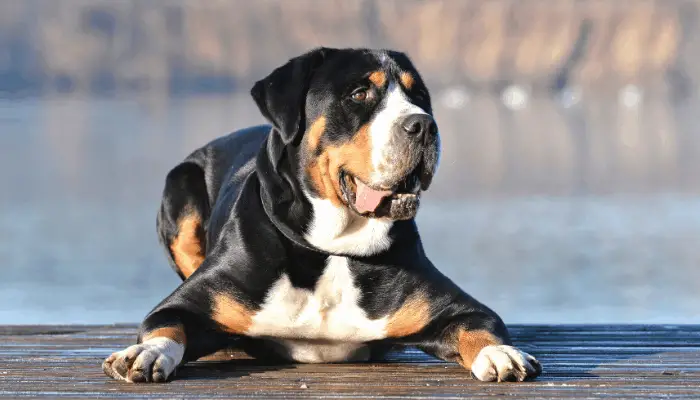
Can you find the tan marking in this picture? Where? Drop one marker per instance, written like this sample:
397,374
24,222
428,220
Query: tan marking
413,316
318,168
378,78
314,133
322,180
188,246
176,333
407,80
354,156
470,343
233,316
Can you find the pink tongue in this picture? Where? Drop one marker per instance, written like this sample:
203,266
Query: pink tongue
368,199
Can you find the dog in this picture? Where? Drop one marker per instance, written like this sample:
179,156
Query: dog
297,239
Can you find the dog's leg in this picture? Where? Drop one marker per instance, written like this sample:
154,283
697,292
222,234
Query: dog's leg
479,341
168,338
183,215
182,328
154,359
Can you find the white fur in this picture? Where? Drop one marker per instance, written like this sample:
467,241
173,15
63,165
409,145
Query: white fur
323,325
382,128
493,362
339,230
159,352
305,351
383,58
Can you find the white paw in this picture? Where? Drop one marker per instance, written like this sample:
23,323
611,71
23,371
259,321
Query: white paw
504,363
154,360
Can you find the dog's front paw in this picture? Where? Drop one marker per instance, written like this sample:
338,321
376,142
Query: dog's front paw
504,363
154,360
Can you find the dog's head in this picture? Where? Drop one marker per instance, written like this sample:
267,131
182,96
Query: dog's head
361,125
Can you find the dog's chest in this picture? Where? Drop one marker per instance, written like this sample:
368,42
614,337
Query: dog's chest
320,325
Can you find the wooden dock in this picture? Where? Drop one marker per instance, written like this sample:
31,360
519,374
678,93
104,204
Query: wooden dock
588,361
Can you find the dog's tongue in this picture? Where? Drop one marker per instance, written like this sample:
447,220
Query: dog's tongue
368,199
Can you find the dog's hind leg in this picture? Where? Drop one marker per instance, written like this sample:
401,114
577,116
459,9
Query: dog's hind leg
182,218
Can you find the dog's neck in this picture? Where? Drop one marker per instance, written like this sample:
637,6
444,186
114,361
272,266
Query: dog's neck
338,230
282,199
310,222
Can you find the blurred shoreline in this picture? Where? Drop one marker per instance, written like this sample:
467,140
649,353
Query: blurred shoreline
186,46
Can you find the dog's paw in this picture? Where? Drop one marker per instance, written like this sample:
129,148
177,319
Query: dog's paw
154,360
504,363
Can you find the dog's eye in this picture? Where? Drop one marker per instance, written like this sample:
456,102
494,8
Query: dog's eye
360,95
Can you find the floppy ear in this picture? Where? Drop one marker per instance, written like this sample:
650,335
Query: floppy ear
281,95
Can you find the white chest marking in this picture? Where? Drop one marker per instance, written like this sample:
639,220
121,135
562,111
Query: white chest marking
330,312
321,352
322,325
339,230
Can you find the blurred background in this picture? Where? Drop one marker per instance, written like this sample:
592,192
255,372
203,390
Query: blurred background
568,189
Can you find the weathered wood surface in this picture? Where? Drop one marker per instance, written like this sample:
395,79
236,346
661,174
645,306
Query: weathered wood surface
579,362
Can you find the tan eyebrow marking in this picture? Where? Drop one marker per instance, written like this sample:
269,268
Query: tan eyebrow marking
378,78
407,79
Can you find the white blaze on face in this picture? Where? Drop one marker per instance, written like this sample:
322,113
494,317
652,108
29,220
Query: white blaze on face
385,154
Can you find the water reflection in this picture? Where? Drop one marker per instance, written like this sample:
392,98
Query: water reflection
548,214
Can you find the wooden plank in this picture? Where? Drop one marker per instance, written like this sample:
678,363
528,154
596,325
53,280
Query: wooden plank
580,361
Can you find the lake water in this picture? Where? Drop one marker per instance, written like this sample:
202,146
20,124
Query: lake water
547,214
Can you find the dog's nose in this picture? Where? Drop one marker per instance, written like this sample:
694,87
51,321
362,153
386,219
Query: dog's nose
419,125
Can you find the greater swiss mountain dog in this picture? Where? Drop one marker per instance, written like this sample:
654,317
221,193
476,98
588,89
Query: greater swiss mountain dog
299,241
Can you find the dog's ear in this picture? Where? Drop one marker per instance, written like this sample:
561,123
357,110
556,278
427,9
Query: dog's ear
281,95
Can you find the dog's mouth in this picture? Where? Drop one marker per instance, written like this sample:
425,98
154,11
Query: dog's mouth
397,202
